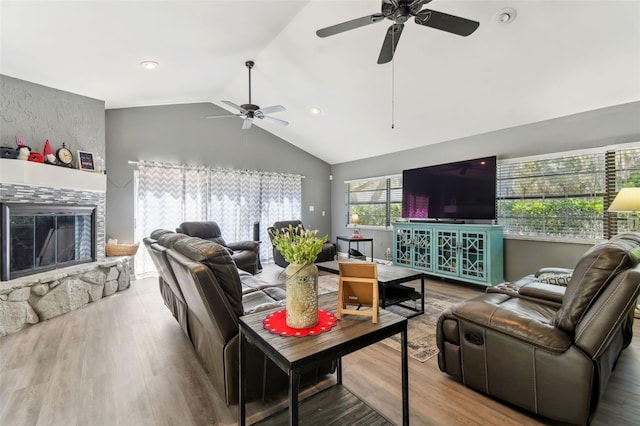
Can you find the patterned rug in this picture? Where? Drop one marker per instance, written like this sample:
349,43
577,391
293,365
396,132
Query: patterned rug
421,331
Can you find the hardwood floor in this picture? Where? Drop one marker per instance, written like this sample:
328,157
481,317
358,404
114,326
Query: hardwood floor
124,361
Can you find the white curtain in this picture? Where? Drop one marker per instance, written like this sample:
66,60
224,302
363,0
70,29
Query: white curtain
168,194
159,204
235,202
281,200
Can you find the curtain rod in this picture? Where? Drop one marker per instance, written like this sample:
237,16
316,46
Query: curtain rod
135,163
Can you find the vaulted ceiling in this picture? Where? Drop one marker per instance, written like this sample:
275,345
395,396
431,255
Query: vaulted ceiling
554,59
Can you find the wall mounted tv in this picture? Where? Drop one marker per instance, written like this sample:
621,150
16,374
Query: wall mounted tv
460,190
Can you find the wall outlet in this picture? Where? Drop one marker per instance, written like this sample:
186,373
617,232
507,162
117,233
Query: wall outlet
388,252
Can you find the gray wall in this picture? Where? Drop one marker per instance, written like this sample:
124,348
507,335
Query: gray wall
603,127
180,134
39,113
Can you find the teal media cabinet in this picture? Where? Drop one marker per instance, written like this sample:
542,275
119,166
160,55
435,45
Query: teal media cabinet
471,253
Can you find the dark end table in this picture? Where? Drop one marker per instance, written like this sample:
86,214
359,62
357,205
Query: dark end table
351,239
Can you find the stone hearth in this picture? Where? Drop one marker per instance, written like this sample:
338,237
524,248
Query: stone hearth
29,300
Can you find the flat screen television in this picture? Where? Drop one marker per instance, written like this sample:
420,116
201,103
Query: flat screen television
460,190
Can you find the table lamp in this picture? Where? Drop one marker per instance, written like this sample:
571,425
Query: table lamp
628,200
355,219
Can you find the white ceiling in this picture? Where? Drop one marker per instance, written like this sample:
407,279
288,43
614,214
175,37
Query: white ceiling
557,58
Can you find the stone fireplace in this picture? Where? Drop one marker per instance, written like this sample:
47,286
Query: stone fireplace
60,231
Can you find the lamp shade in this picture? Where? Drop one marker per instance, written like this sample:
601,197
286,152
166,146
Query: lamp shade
355,219
627,200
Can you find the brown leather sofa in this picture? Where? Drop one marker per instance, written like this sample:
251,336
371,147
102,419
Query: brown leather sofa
206,292
546,348
246,254
327,253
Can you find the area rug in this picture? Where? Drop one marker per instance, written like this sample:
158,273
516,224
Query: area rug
421,331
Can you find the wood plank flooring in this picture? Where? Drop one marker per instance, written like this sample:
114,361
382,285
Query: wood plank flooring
125,361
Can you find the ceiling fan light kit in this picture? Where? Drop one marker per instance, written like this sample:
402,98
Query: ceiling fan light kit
399,11
250,111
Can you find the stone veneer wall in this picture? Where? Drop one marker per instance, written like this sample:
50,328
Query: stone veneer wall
18,193
29,300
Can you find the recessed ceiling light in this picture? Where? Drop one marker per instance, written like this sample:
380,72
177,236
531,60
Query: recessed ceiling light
149,65
505,16
315,110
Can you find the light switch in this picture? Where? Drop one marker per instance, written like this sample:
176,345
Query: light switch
322,212
311,208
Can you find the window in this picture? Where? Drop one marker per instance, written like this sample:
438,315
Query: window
377,201
565,196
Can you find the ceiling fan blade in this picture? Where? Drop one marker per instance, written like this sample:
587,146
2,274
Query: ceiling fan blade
274,120
269,110
446,22
224,116
236,106
246,123
349,25
390,43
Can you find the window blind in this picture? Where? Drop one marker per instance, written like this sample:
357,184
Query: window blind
376,201
552,197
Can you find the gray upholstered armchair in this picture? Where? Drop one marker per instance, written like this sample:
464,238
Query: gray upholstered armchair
246,254
328,249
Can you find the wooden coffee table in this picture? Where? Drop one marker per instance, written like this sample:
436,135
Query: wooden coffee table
297,354
390,280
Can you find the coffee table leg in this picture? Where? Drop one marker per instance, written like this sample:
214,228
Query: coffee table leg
339,371
294,383
405,379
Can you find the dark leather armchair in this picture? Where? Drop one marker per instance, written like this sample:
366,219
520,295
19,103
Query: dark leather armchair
246,254
546,348
328,249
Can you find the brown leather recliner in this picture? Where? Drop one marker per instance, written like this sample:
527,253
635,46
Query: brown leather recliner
246,254
541,347
327,253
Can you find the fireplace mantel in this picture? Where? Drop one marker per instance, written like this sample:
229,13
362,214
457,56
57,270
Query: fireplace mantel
46,175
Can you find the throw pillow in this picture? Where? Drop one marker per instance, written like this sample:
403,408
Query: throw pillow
555,278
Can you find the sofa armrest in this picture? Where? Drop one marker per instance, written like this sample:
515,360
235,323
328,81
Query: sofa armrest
520,320
244,245
538,290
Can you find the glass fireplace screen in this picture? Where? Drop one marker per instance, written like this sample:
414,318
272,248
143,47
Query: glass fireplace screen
41,237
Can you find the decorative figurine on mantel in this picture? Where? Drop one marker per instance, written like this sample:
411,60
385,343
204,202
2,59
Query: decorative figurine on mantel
23,149
49,156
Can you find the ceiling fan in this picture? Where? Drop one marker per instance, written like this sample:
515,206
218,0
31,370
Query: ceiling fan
250,111
400,11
